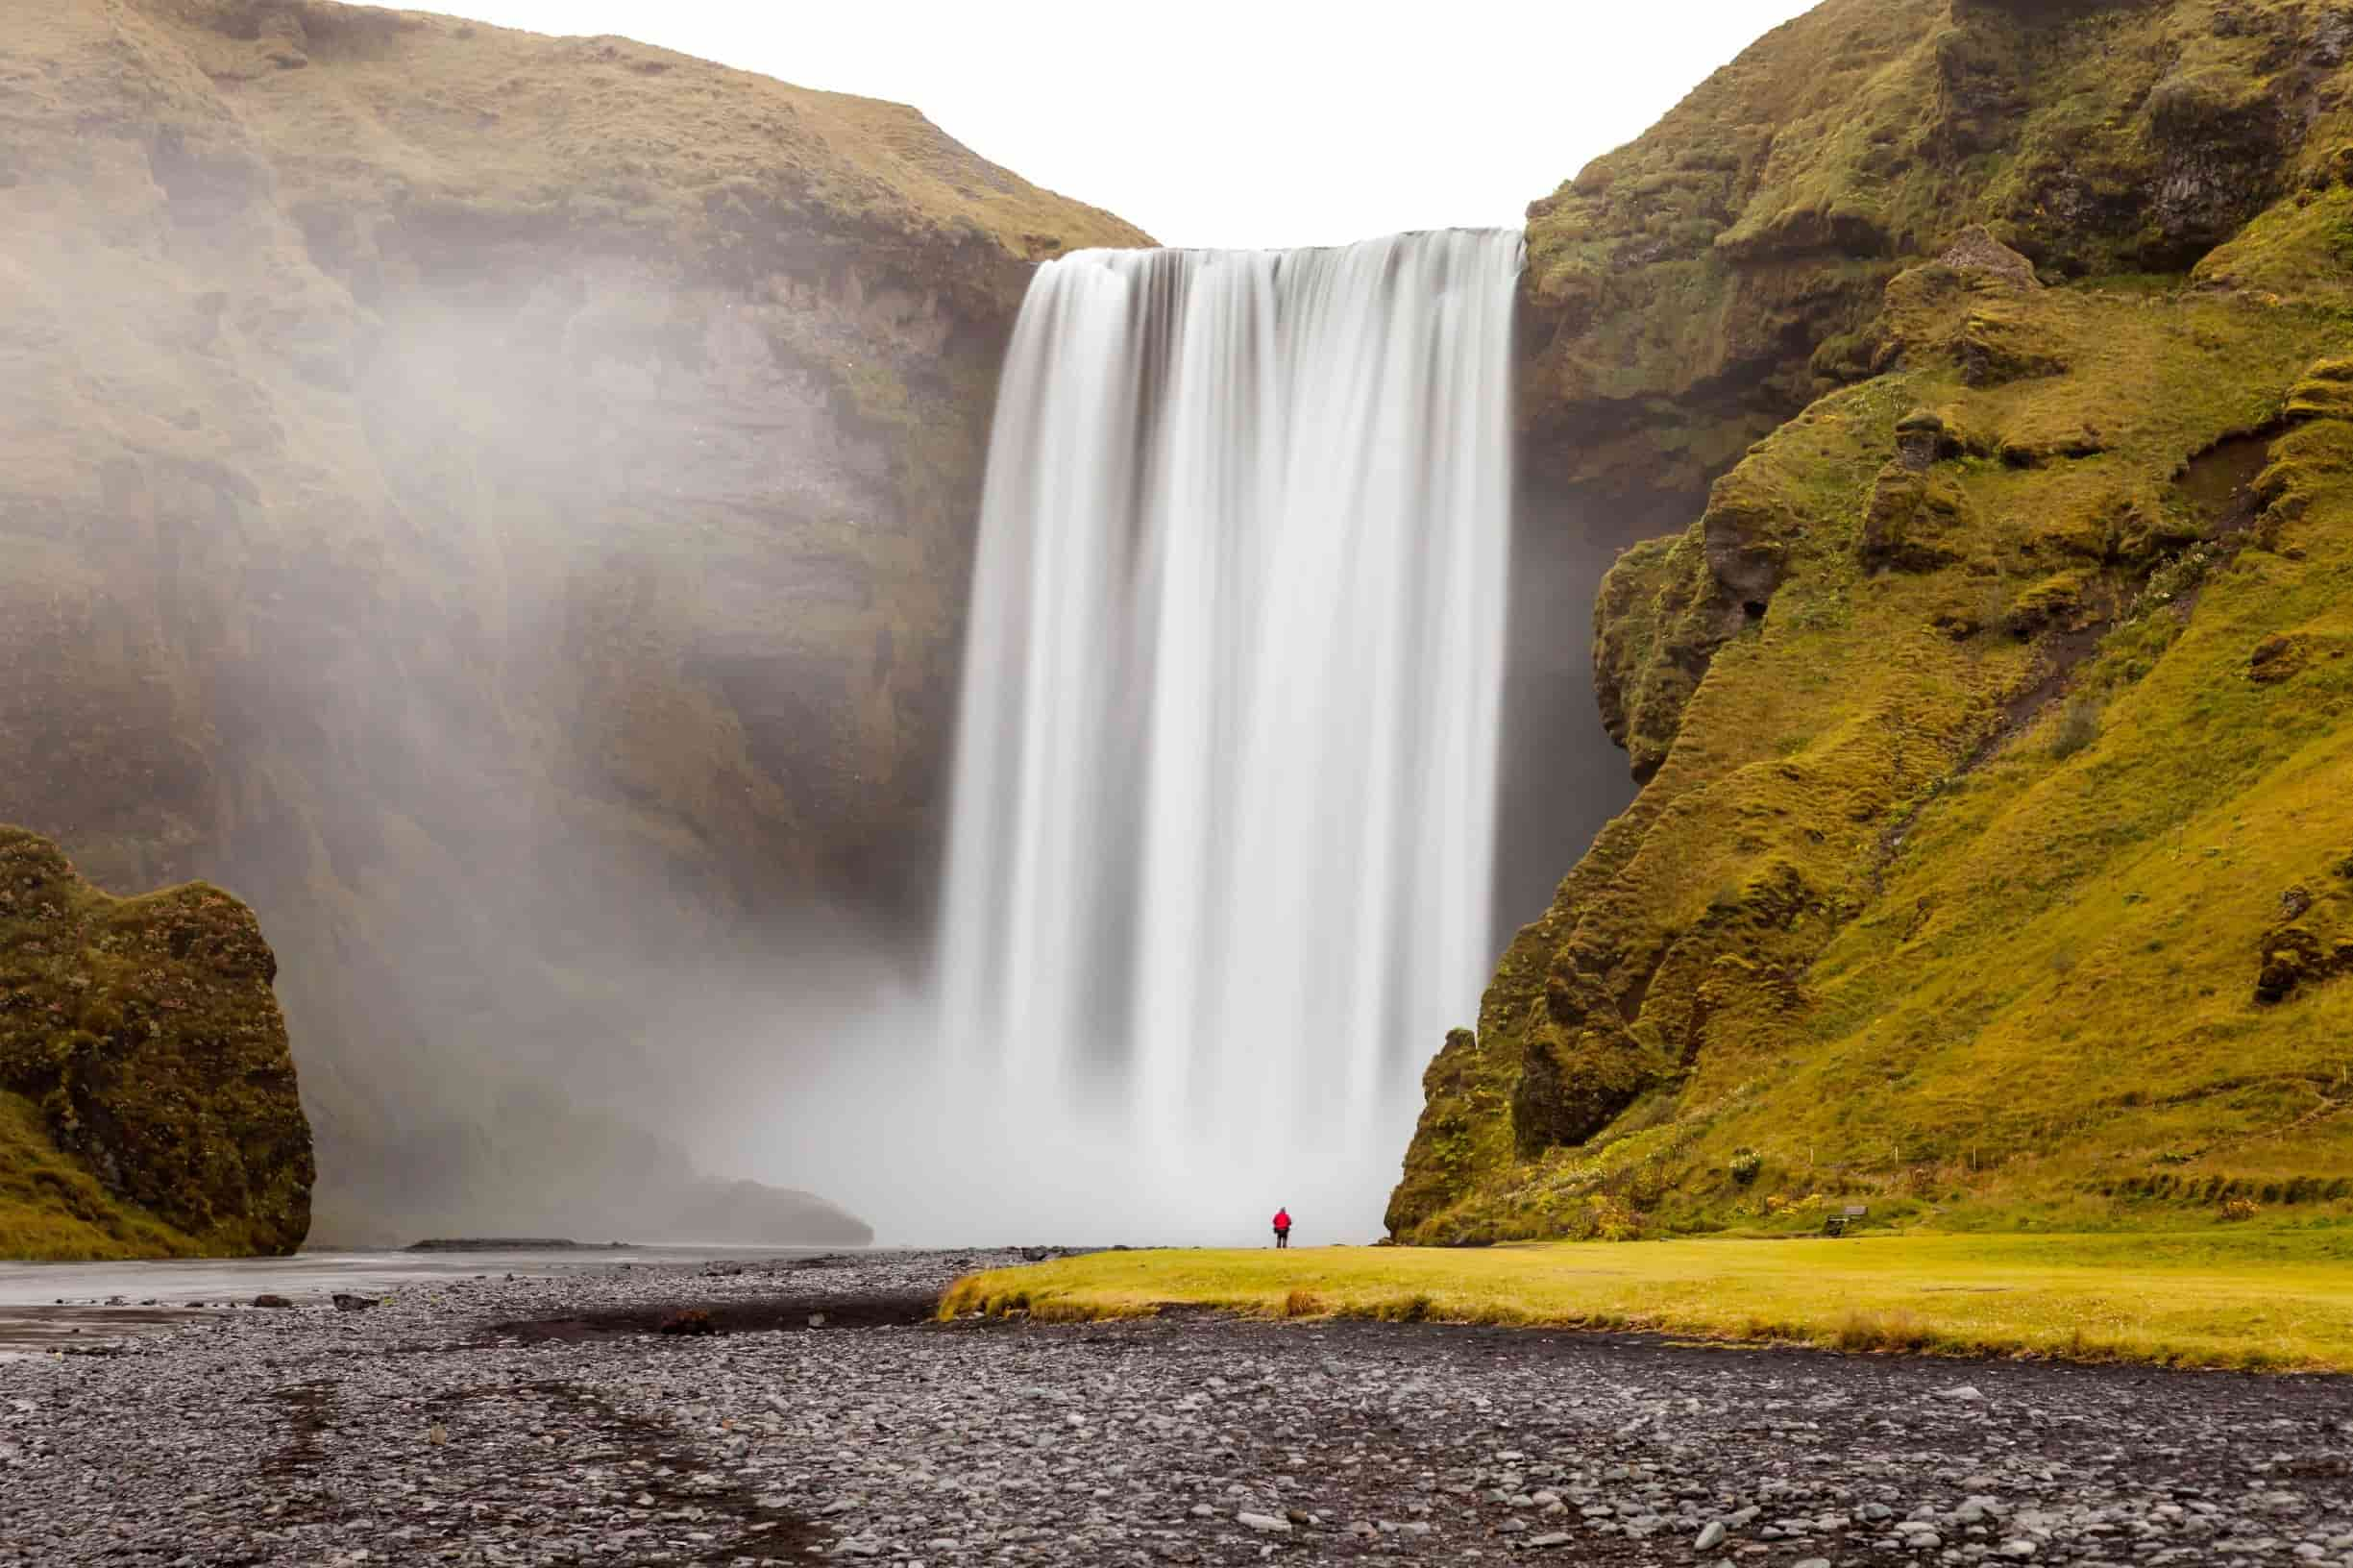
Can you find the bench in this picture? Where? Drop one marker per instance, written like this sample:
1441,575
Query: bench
1851,1214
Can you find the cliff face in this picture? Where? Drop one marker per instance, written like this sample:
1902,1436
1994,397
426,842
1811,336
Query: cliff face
500,504
1695,289
147,1097
1986,860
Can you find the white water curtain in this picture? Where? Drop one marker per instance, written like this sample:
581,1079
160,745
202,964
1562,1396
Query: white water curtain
1224,797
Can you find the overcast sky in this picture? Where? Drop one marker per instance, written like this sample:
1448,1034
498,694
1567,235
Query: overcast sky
1269,122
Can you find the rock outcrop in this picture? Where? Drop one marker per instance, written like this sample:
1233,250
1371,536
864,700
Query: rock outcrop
499,502
1987,708
1695,289
147,1094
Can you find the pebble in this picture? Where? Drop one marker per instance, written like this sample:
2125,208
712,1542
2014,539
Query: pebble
417,1432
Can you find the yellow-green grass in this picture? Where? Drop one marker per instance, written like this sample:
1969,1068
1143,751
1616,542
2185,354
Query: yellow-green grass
147,1097
1893,942
2275,1299
1731,256
51,1207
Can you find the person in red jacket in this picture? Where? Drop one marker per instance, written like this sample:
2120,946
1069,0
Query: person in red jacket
1283,1227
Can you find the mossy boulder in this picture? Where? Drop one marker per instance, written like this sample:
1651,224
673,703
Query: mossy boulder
1989,321
2279,656
2311,944
1998,345
1918,521
1976,251
1639,683
2056,600
2325,392
143,1035
1924,438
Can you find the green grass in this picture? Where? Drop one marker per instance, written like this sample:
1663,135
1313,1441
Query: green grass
2272,1298
1962,943
52,1208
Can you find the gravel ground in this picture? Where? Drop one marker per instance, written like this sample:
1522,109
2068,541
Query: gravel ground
500,1421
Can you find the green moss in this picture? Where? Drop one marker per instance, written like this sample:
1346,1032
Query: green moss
2055,600
2303,247
1919,955
1731,261
147,1087
1918,521
2326,392
50,1207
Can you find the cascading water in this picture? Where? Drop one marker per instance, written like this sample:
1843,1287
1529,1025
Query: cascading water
1224,799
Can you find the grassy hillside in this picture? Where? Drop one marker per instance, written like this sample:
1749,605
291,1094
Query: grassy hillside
1989,865
147,1094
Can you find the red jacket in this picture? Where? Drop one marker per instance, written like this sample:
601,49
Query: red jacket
1282,1219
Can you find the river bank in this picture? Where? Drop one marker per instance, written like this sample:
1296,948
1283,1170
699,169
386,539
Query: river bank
537,1420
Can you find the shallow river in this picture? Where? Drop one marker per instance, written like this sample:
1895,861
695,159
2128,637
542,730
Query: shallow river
46,1307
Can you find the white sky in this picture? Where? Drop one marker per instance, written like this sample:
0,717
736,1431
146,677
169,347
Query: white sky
1210,122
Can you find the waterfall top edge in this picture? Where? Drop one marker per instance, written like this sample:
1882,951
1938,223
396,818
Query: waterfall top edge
1497,230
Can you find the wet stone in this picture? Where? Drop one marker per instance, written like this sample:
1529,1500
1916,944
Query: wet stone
534,1421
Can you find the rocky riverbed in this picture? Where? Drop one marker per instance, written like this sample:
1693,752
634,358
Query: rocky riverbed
522,1421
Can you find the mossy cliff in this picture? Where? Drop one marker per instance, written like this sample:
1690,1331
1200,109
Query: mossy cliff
1697,287
1993,855
147,1097
500,504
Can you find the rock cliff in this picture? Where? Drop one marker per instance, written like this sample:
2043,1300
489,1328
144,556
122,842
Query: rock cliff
1986,862
147,1097
502,504
1695,289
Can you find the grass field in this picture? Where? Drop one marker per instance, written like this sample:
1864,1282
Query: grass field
2274,1299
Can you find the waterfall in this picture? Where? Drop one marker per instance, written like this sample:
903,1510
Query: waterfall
1219,864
